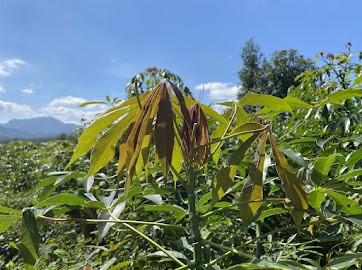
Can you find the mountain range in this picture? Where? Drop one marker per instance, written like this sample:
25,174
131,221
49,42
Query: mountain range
35,128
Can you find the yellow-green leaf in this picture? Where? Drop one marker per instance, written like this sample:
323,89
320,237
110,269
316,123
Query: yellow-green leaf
89,136
103,150
290,184
253,187
225,176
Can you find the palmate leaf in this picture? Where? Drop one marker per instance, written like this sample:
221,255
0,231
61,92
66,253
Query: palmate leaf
104,148
30,240
253,187
164,132
142,125
226,175
270,102
89,136
290,183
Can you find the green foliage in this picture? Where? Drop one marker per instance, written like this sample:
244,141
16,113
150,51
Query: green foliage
193,189
273,76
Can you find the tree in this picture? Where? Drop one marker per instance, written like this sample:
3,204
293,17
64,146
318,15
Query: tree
274,76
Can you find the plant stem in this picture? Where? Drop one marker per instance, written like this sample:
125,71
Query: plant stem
194,218
233,250
154,243
94,221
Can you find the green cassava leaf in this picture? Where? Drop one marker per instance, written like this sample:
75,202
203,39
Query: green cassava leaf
348,205
6,221
178,212
296,103
69,199
295,156
290,183
225,176
321,169
316,198
271,212
104,148
246,130
340,95
271,102
89,136
30,240
253,187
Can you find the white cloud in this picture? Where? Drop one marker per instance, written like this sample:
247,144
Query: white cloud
65,109
8,66
67,101
10,110
2,90
219,91
27,91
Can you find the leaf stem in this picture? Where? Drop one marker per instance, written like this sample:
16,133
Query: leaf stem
233,250
94,221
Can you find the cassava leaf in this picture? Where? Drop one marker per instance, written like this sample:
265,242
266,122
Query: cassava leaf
340,95
89,136
253,187
104,148
273,103
290,183
321,169
225,176
164,132
30,240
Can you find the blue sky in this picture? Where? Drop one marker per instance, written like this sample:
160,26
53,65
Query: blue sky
56,54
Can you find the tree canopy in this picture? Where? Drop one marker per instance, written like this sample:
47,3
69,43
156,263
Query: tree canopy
271,76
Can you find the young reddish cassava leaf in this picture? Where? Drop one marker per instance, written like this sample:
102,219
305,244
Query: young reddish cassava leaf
164,131
196,145
290,184
253,187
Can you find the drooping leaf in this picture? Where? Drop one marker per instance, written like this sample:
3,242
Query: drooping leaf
253,187
321,169
69,199
290,183
241,115
30,240
164,132
89,136
226,175
141,126
104,148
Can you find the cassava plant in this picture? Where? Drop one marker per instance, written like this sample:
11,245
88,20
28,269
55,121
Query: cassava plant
213,172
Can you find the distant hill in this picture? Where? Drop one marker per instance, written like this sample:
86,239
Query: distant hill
34,128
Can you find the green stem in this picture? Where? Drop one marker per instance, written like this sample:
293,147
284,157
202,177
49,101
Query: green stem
194,218
94,221
154,243
233,250
258,244
226,130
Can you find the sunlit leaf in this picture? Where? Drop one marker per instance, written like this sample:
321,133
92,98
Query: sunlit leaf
341,95
30,240
290,184
6,221
296,103
104,148
253,187
321,169
273,103
89,136
226,175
